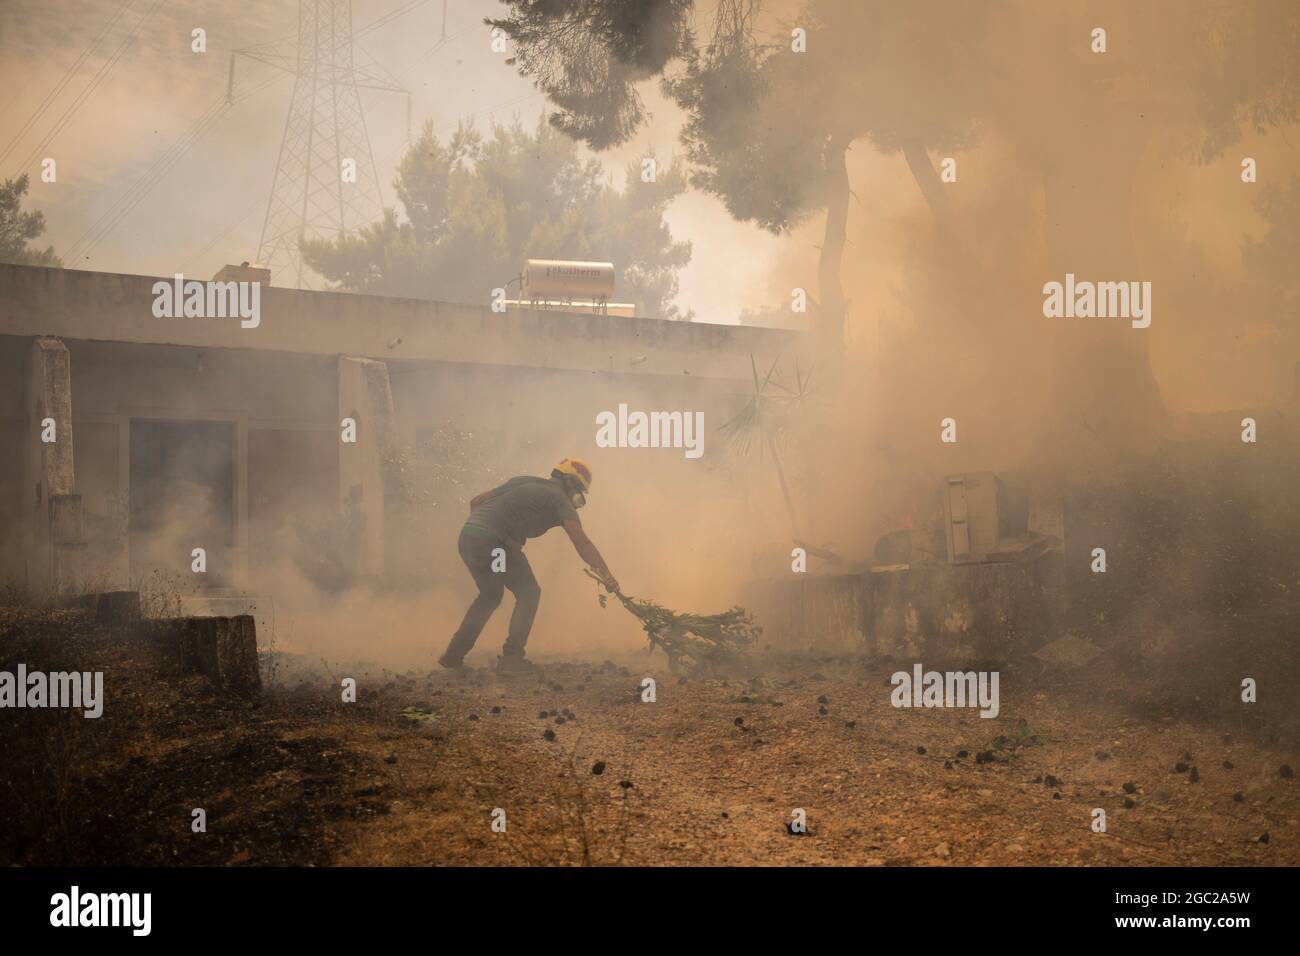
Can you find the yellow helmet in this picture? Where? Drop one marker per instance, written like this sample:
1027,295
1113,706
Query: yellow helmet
578,469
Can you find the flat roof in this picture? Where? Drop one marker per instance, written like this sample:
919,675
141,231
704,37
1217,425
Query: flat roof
115,307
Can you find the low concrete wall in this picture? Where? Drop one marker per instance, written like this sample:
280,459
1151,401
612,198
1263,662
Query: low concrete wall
934,612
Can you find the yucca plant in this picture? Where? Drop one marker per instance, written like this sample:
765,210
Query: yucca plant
768,415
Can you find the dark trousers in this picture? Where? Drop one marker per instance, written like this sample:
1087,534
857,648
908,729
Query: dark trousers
517,576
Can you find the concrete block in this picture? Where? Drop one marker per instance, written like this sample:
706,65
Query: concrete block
119,609
226,651
223,649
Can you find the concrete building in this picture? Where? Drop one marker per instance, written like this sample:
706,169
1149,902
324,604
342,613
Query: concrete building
127,440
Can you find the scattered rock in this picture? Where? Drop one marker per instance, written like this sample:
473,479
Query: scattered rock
598,768
850,724
559,720
1057,795
984,756
543,715
1070,651
625,784
1227,738
473,716
1129,803
1238,797
920,750
1050,781
1180,767
548,734
1102,755
823,699
1285,771
1194,776
1262,838
740,721
1130,788
962,753
821,711
942,850
391,758
1227,765
947,765
496,710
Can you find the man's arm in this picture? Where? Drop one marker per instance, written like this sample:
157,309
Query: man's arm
589,553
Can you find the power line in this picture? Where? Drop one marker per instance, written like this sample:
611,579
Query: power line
389,17
59,87
135,194
90,88
401,76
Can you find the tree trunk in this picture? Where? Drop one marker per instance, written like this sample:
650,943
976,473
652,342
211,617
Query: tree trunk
832,308
1105,404
923,171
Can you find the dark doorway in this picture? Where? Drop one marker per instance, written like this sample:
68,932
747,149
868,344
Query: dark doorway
182,498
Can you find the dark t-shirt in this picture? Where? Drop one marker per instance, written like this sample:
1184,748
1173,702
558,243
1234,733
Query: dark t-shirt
523,508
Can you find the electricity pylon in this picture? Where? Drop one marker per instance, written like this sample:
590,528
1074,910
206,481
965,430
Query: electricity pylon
325,182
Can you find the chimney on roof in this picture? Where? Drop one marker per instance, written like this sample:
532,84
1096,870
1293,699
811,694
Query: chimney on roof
243,273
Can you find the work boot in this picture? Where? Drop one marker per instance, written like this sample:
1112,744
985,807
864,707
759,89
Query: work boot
454,664
515,664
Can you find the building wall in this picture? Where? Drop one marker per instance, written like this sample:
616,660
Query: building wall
530,383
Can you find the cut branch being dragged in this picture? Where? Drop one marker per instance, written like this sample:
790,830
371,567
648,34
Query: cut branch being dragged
694,641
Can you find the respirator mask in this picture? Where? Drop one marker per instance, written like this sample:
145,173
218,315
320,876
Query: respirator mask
575,493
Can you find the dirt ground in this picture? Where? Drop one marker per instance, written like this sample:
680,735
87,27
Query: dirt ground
588,773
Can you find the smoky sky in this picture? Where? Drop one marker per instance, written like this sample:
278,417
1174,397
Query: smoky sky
1188,225
209,209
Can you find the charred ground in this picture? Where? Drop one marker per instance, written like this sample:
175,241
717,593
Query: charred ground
589,774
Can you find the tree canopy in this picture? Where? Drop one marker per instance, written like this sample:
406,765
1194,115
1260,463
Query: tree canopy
18,228
476,207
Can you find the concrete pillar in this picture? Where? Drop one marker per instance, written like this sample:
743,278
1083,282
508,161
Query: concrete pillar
366,398
52,515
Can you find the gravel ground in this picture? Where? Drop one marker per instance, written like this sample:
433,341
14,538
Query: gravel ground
588,773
